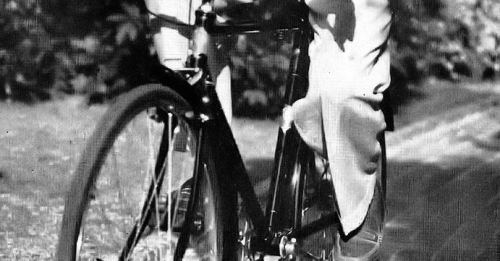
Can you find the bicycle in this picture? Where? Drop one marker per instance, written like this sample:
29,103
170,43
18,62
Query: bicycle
195,181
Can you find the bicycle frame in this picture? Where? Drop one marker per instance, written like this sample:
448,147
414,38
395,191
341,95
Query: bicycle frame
282,219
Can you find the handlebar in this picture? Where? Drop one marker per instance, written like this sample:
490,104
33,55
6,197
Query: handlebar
295,16
252,27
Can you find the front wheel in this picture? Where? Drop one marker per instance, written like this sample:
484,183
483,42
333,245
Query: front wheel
133,191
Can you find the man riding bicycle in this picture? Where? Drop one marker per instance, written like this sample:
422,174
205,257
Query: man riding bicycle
340,117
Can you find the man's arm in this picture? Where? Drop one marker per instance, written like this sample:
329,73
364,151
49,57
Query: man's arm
327,6
220,4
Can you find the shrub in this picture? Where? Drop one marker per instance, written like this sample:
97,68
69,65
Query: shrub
56,47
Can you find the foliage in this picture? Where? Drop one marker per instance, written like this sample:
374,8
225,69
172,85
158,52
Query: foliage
54,47
447,39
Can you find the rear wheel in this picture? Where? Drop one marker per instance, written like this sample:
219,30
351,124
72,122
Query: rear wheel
133,187
317,202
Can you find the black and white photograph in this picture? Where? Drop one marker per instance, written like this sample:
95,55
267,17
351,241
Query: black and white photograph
250,130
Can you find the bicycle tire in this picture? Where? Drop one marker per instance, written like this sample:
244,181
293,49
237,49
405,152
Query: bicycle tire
83,191
316,202
313,199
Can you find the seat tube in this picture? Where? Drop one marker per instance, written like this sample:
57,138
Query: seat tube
201,38
286,179
203,47
297,80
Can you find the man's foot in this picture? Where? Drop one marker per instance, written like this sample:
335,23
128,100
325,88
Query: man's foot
364,246
364,243
179,206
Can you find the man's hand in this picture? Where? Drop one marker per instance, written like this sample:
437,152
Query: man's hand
327,6
220,5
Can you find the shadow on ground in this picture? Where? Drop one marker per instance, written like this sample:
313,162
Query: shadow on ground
259,171
443,213
433,212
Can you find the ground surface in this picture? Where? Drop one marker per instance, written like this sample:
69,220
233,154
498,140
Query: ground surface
443,186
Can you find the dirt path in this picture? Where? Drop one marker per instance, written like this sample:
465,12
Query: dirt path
443,196
443,186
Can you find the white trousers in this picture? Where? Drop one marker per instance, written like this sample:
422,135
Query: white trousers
340,116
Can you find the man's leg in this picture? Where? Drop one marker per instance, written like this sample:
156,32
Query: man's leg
348,73
172,47
223,88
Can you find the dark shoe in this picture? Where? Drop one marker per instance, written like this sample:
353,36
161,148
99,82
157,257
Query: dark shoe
364,246
364,243
180,200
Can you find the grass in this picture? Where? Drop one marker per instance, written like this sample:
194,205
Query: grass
40,146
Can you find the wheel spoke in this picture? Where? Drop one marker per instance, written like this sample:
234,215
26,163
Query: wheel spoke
153,192
188,219
169,184
135,196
